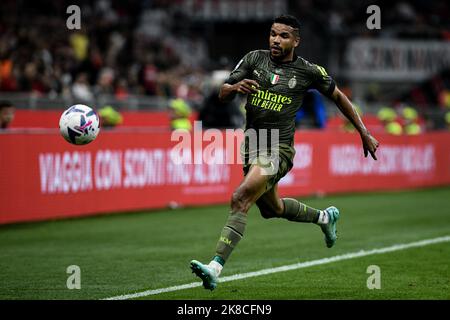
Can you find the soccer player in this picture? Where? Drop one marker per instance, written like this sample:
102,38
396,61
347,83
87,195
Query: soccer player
275,82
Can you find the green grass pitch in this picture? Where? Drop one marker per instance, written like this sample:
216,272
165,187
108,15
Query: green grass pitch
127,253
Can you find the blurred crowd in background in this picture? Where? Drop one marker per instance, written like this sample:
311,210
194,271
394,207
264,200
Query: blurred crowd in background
168,49
119,51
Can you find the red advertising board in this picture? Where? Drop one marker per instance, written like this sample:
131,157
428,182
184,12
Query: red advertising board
44,177
24,118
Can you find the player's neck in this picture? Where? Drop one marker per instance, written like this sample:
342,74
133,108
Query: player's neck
289,58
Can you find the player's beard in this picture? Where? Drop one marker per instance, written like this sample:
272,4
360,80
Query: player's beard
280,55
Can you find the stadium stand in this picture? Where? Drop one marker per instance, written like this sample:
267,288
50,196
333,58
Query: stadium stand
136,55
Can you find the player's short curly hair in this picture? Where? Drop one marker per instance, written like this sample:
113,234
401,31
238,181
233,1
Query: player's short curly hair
288,20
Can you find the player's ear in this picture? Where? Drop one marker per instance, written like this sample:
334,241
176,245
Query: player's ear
297,41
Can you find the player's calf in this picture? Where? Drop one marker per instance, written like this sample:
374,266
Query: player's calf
300,212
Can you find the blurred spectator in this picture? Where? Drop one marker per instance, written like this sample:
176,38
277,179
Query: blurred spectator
7,80
7,111
447,119
217,114
81,89
121,92
179,115
410,118
388,117
150,76
109,118
444,98
313,106
31,79
105,82
80,44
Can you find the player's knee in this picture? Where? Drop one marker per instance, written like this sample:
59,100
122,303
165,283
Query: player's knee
240,200
268,213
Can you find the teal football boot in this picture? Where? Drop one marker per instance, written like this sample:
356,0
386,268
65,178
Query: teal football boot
329,229
204,272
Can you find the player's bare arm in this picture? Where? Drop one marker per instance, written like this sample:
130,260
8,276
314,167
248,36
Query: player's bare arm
245,86
370,144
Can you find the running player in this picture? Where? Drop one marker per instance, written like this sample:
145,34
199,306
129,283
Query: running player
275,82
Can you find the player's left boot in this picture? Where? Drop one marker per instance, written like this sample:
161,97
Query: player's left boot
206,273
329,229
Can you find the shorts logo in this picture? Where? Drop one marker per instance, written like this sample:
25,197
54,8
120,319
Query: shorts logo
274,78
292,82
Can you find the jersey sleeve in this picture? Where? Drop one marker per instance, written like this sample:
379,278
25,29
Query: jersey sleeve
242,70
322,81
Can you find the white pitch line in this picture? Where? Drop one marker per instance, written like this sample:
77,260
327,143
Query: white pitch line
347,256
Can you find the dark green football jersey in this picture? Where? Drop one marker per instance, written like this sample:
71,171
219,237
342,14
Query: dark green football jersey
281,91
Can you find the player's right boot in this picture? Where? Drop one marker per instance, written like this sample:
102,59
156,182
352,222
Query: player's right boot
329,229
206,273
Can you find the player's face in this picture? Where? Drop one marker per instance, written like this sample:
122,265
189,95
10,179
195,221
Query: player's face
283,40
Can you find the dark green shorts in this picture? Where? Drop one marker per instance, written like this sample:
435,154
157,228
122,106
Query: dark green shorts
277,164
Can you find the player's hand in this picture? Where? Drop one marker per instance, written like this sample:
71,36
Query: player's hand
246,86
370,144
